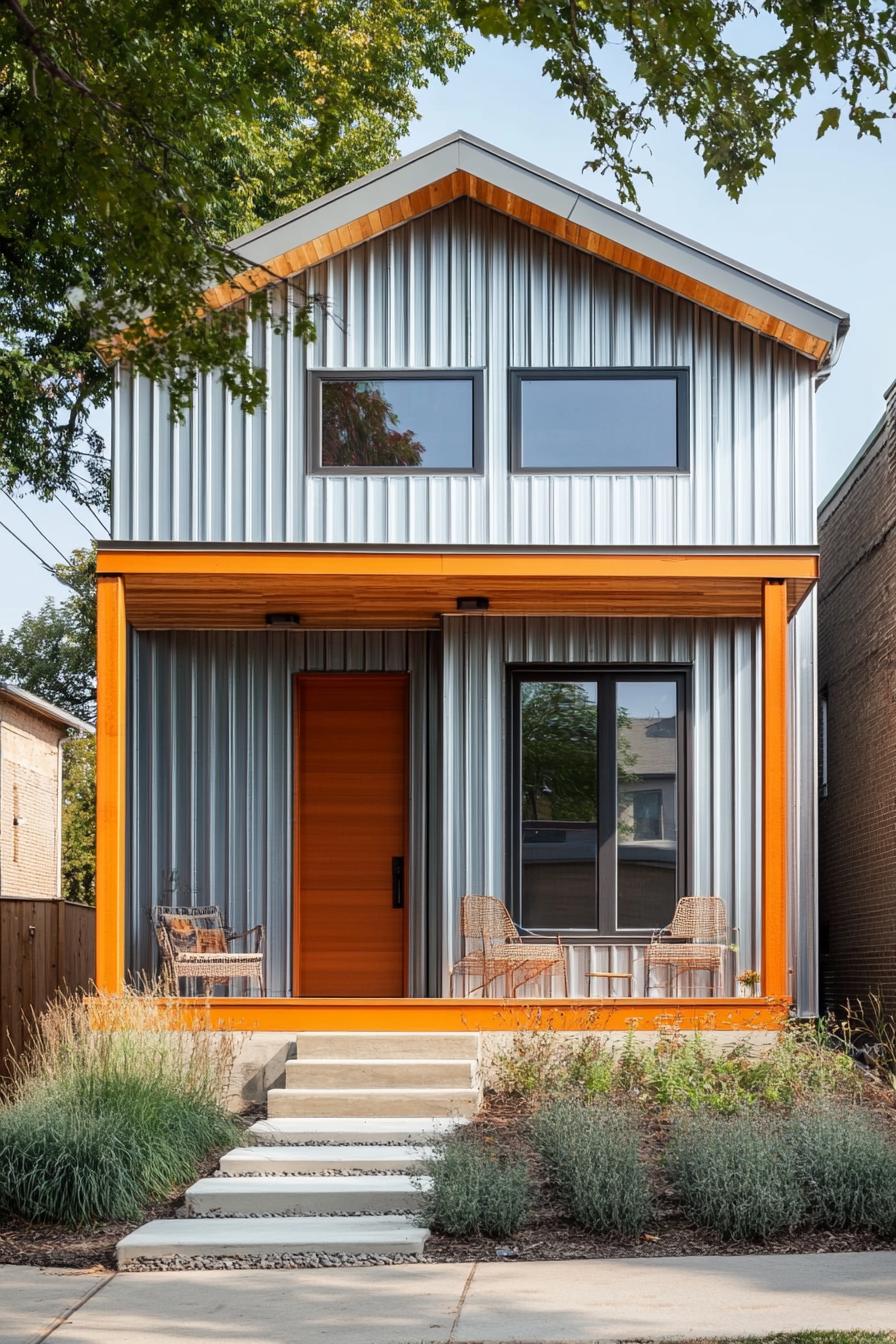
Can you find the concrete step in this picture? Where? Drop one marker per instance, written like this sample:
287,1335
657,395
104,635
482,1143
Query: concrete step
388,1045
357,1073
371,1101
307,1159
293,1196
301,1129
165,1238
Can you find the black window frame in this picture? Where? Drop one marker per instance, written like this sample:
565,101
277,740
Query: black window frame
317,377
680,375
608,929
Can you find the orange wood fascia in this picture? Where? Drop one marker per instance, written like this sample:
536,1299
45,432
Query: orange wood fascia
470,564
705,1014
775,970
111,728
457,184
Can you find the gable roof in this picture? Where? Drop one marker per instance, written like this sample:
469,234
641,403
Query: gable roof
42,707
462,165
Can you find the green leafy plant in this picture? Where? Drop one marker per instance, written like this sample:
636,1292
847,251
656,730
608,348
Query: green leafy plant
79,820
111,1109
476,1189
680,1069
541,1064
592,1152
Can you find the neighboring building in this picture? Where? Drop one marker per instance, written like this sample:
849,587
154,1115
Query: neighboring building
857,718
31,736
507,589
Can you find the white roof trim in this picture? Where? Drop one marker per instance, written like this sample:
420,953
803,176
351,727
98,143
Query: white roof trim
504,171
44,708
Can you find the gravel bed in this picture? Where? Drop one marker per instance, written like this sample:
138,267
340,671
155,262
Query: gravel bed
333,1261
313,1175
303,1213
274,1141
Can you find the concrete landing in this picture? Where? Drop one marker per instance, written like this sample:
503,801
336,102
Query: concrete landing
165,1238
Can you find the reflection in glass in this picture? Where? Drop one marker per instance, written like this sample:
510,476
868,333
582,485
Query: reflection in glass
646,802
397,422
598,423
558,793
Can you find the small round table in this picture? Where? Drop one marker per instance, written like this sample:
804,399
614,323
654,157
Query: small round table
610,975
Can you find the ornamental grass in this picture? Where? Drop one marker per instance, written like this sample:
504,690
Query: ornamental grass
111,1108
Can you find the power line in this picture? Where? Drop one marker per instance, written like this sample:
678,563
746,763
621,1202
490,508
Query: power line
104,526
15,503
71,512
38,558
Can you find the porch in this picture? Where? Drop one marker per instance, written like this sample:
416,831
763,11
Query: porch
188,660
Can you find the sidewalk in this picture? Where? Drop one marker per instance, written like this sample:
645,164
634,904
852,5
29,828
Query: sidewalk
565,1302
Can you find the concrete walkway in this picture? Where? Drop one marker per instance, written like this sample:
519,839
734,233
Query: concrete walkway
568,1302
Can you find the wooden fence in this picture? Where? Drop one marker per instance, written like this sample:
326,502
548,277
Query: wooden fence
44,945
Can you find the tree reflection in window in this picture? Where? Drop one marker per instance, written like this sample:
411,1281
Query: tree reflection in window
359,428
559,751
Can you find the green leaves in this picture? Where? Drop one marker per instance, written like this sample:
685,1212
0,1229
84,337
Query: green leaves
731,73
137,139
828,121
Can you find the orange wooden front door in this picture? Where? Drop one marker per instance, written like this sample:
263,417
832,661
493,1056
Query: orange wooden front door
350,834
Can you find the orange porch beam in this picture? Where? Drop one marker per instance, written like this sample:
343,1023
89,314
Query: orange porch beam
164,561
111,732
775,970
704,1014
233,588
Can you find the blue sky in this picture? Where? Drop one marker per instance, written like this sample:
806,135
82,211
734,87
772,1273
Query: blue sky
823,219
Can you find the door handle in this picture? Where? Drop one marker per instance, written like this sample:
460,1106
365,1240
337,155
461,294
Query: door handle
398,882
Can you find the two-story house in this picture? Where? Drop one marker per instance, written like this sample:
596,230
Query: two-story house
506,590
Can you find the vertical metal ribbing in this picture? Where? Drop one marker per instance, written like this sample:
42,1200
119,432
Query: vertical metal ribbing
724,825
210,774
466,286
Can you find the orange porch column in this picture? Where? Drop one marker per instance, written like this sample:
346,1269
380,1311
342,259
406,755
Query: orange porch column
775,977
111,734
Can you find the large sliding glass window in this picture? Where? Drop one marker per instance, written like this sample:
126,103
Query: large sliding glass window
597,770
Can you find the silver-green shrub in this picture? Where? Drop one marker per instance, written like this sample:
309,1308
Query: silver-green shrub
752,1176
847,1167
475,1189
734,1174
592,1152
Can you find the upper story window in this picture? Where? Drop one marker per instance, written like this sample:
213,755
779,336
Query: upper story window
396,421
599,420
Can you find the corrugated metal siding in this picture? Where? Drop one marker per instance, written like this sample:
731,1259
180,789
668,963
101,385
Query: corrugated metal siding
211,753
466,286
803,808
210,780
724,819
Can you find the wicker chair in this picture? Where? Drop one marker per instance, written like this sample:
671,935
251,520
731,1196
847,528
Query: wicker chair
501,951
695,940
194,941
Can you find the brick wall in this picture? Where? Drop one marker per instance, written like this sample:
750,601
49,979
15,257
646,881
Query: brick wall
857,674
29,803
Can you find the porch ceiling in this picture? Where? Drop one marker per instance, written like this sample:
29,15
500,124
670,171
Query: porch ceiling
227,588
